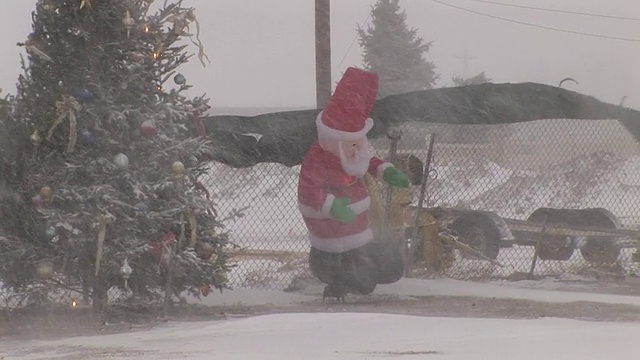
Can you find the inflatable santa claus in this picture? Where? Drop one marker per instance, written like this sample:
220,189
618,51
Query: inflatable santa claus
332,196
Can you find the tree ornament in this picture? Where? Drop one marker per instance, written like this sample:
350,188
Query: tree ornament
45,269
179,79
148,128
142,208
45,194
51,233
191,161
205,290
204,250
84,95
121,160
35,138
178,170
125,272
181,20
85,3
37,201
66,108
87,138
128,23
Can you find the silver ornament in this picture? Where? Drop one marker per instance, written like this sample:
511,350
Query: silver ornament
125,272
121,160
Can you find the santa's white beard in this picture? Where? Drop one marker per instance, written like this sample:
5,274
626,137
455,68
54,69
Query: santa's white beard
359,165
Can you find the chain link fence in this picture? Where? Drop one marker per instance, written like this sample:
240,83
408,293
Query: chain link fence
534,199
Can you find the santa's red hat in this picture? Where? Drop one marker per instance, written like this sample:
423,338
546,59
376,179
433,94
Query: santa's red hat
346,116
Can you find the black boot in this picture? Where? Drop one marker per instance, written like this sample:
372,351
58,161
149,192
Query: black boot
334,290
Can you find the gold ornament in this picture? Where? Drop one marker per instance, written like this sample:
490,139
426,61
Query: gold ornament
67,108
45,194
178,170
128,23
45,269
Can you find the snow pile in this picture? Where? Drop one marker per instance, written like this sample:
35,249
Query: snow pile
598,179
456,183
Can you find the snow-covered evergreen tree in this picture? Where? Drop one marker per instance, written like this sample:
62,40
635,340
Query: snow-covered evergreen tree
478,79
395,52
115,152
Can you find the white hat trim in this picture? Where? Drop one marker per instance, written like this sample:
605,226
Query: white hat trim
325,132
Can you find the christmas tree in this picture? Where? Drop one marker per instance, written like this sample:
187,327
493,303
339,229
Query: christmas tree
114,152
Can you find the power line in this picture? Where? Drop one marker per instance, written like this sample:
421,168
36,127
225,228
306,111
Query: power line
536,25
353,42
558,10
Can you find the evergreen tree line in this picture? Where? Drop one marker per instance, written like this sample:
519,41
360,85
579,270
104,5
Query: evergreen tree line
394,50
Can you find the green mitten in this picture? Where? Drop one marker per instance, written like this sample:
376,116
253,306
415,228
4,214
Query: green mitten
395,177
341,212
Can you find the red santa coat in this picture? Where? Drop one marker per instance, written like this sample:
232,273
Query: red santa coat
322,180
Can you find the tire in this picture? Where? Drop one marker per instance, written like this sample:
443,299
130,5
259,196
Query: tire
556,247
600,250
479,234
553,247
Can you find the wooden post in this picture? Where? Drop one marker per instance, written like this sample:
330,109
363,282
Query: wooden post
323,52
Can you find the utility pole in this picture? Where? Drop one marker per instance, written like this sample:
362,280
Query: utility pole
465,61
323,52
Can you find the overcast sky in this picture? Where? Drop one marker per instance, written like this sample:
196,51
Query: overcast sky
262,51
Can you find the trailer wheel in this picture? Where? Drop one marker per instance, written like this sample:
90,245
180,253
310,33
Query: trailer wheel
479,234
552,247
601,249
556,247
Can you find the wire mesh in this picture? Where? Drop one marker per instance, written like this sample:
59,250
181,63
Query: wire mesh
587,172
510,171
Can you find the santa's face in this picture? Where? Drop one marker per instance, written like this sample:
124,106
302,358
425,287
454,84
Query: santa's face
355,156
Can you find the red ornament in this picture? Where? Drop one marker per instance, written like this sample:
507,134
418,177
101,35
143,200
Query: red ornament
162,249
148,128
205,290
37,201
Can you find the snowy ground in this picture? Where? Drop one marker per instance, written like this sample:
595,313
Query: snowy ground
352,336
300,326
